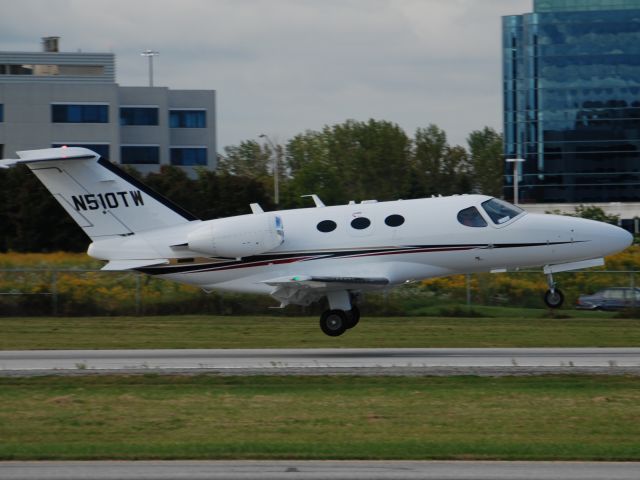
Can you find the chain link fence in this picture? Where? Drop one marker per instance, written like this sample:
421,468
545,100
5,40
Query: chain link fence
74,292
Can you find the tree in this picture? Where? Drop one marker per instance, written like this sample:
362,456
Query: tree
32,220
590,212
174,183
254,161
438,168
311,170
350,161
595,213
250,159
487,161
223,195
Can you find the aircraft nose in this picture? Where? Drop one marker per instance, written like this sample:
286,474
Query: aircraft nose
611,239
619,238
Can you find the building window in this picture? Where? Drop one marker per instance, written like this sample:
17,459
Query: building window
188,156
79,113
101,149
140,155
138,115
188,118
1,112
46,70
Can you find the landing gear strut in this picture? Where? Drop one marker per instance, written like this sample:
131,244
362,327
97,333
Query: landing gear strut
341,316
553,297
353,317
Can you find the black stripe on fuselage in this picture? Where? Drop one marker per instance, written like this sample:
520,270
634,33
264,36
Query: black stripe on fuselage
146,189
281,258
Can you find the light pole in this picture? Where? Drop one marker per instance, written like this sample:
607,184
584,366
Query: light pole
150,54
276,185
515,162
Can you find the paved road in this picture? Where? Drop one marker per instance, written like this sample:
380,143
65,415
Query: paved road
325,361
316,470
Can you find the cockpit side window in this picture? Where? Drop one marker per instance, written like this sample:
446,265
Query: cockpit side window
500,211
471,217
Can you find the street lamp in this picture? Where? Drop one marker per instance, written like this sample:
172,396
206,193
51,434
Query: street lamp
276,189
515,162
150,54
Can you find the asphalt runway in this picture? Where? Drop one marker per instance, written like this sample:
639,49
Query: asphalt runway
317,470
444,361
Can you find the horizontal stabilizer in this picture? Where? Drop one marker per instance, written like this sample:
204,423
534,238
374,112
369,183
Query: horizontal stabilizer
117,265
48,155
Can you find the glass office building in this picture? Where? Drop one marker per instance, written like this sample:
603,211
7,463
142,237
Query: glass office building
571,73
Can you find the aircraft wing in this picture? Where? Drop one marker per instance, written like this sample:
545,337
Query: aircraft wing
307,281
305,289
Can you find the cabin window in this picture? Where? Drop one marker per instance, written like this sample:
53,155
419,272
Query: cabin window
360,223
500,211
327,226
471,217
394,220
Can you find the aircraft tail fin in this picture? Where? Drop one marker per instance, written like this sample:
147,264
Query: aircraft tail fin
102,199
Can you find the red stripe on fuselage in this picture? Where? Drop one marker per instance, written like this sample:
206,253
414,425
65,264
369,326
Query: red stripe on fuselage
328,255
255,264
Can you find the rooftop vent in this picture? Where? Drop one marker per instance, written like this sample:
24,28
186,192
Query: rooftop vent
50,44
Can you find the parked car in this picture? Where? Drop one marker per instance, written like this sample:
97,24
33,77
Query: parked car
613,298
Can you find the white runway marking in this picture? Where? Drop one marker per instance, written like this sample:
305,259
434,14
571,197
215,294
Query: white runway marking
316,470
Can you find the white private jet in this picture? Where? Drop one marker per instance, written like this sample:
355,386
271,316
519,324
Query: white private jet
299,256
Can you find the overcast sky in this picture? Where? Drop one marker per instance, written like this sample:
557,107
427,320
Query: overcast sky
281,67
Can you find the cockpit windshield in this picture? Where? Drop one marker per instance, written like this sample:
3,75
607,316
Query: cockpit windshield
500,211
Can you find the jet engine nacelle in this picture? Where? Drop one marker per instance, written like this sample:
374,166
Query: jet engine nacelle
237,237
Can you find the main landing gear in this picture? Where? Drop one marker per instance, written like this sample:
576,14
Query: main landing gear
553,297
341,316
335,322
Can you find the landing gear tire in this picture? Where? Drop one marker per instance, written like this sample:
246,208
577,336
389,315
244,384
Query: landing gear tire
353,317
554,298
334,322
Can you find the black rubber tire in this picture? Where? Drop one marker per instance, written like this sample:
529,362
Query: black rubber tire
333,322
555,299
353,317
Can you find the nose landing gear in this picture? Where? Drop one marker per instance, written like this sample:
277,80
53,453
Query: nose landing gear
553,297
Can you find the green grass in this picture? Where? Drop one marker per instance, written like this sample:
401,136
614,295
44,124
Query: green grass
303,332
507,312
135,417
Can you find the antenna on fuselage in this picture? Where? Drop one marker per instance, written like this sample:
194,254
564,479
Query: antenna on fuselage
319,203
256,208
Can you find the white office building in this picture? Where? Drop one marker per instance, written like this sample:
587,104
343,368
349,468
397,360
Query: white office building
54,98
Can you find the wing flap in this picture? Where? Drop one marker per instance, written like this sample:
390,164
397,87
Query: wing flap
117,265
326,281
305,289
